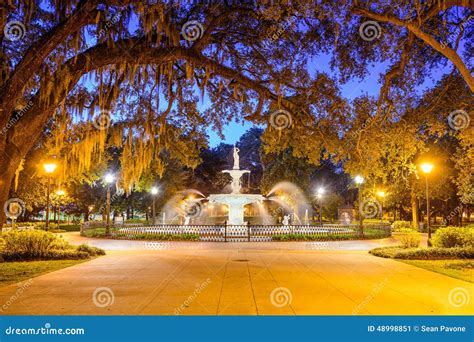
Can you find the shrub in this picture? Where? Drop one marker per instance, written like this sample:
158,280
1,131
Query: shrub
450,237
136,220
41,245
70,227
409,237
92,251
93,233
423,253
71,254
158,236
400,225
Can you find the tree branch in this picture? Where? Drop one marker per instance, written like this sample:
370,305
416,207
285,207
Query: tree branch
428,39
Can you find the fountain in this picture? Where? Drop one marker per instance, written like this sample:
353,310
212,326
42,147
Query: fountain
235,201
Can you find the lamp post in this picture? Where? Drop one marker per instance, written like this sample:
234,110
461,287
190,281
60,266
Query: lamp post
109,178
91,207
359,180
60,193
427,168
320,194
381,194
49,169
154,192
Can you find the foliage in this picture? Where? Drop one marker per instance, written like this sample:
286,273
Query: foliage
408,237
94,233
83,57
136,220
100,233
41,245
91,250
453,237
159,236
433,253
368,234
70,227
399,225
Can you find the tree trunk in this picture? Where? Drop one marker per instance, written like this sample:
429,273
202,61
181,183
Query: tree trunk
9,161
414,210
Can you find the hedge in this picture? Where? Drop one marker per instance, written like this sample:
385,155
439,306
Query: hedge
434,253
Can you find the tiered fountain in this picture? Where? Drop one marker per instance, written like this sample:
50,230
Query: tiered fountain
235,200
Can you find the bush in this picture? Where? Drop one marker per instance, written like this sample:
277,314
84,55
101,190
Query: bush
450,237
68,254
94,233
158,236
136,220
423,253
70,227
41,245
92,251
409,238
401,225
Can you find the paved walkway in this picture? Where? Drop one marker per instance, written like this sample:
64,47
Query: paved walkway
236,279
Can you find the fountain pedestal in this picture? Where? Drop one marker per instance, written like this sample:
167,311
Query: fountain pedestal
235,203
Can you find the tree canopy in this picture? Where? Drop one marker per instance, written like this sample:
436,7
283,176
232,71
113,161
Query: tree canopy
103,76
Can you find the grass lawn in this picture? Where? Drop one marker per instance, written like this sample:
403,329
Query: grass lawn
459,268
13,272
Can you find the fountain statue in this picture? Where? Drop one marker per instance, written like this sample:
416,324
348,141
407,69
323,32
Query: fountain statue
235,200
236,158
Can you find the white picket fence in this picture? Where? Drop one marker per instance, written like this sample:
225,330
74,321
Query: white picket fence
233,232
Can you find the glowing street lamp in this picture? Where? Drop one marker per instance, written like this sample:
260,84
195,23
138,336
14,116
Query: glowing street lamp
109,179
359,179
154,192
319,193
381,194
49,169
427,168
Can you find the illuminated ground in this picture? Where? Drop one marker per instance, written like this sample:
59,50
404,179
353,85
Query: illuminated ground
241,279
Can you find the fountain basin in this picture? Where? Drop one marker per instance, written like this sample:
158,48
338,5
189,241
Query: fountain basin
236,203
